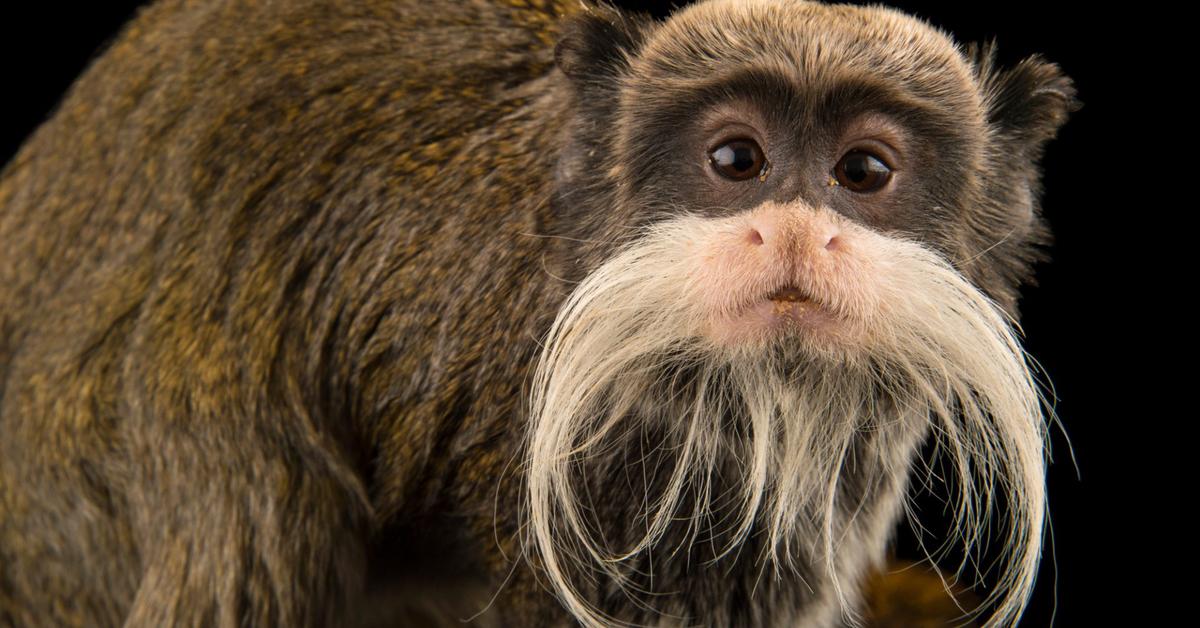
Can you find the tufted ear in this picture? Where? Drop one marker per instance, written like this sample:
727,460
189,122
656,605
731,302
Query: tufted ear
596,44
1026,104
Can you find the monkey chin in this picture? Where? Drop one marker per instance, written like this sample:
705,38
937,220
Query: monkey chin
779,375
782,325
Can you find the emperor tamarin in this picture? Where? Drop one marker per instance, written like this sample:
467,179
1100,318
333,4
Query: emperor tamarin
528,312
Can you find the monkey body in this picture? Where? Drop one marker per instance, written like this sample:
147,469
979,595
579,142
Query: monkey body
276,283
159,247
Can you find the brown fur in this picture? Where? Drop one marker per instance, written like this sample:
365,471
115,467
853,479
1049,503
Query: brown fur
273,280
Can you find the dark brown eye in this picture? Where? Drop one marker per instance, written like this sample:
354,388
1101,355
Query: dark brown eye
738,159
860,171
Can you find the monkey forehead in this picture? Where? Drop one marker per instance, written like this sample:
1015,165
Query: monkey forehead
816,46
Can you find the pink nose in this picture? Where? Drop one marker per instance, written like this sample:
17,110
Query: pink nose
779,268
787,231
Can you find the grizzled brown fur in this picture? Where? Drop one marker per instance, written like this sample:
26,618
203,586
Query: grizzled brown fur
272,283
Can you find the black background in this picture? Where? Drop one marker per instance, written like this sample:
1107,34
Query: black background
1076,322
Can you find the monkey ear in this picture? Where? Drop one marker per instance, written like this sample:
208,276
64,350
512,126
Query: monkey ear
1026,104
596,44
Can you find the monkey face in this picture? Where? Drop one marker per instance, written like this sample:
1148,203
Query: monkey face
802,161
816,220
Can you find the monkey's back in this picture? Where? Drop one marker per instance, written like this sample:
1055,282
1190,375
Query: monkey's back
214,229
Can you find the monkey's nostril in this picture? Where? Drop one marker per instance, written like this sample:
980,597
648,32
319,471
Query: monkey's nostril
755,237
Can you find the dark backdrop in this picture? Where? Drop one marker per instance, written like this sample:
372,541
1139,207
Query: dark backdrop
1076,320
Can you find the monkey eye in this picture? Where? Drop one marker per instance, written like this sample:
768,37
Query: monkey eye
738,160
860,171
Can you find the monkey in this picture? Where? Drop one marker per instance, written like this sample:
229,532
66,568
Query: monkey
514,312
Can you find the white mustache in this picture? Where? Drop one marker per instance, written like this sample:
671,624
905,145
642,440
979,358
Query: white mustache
918,336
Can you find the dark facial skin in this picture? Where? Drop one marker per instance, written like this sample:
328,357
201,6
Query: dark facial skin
801,162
